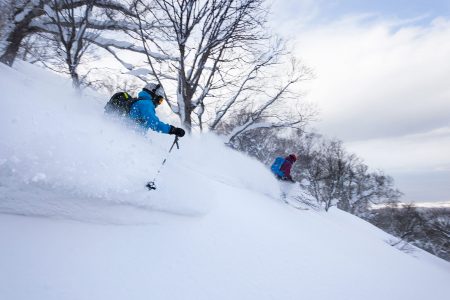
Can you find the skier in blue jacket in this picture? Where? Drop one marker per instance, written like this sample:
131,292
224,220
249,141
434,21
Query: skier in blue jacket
143,111
281,167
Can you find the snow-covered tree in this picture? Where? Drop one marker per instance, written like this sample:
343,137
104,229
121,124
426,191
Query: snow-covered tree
336,177
20,14
71,28
363,188
27,17
219,58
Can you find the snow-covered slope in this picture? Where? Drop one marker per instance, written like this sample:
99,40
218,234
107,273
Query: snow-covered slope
76,221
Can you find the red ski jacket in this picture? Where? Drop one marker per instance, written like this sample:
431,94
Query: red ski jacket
287,165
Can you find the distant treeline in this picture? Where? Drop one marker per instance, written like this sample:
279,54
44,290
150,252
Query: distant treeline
330,176
426,228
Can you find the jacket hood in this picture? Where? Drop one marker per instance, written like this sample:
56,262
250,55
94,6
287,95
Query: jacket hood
144,95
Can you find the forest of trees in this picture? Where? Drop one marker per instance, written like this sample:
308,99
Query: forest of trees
331,176
224,70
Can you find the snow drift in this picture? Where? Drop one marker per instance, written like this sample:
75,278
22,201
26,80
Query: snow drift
76,221
54,141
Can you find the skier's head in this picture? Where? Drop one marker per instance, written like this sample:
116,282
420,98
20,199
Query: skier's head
292,157
156,91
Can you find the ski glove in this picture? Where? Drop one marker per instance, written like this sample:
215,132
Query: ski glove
179,132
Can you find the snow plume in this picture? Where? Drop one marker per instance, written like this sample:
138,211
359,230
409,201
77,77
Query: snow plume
53,141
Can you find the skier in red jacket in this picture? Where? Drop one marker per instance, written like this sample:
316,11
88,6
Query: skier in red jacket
283,171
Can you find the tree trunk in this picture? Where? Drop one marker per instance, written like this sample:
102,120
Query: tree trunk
184,104
20,30
14,41
75,79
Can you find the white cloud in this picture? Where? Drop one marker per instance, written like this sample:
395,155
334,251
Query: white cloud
423,152
419,163
379,79
289,15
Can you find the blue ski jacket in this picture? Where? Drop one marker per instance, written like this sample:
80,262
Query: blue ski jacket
143,112
276,166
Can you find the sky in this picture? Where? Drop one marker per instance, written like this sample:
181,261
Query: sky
382,74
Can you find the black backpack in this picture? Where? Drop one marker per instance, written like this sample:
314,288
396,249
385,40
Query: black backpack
120,103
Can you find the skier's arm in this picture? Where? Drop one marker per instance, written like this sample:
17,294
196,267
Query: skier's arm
144,113
155,124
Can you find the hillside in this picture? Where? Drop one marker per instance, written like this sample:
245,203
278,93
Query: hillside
76,221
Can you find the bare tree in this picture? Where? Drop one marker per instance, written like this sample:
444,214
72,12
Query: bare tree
436,237
212,53
26,17
270,101
37,48
336,177
21,14
71,26
326,172
5,15
362,188
427,228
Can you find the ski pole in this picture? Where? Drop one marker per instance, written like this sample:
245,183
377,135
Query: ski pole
151,184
